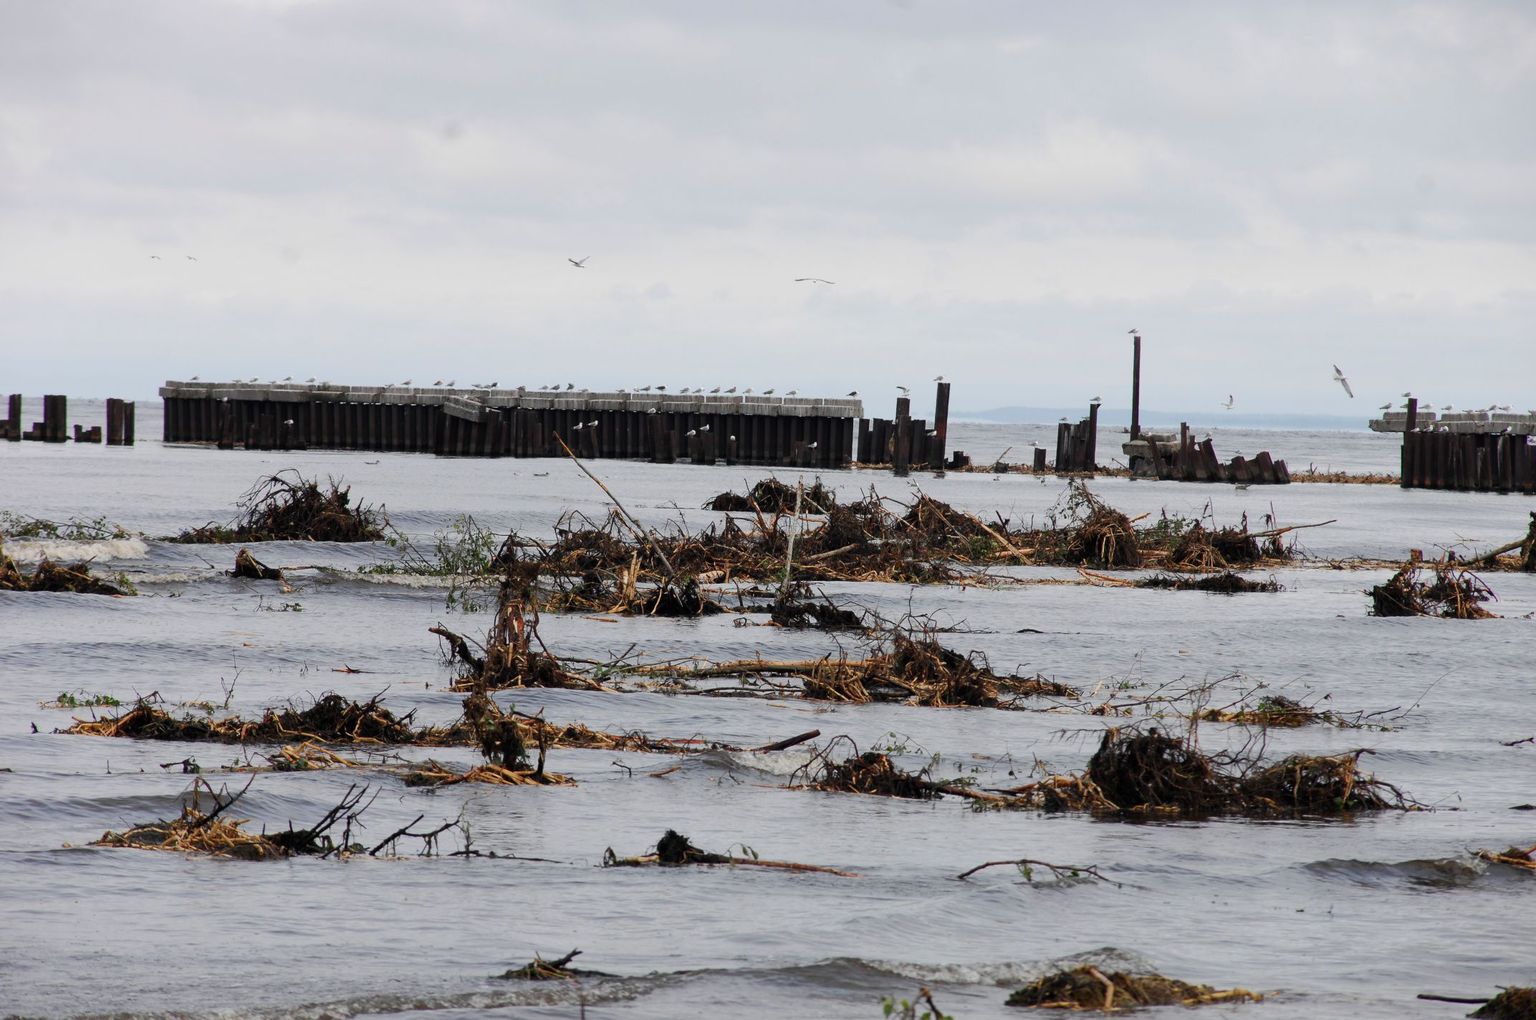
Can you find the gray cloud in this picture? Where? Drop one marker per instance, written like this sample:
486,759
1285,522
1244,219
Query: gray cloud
998,189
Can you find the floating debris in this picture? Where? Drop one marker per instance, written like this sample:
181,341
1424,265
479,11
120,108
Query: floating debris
331,719
771,496
1454,594
674,850
1513,1003
1225,583
1087,987
51,576
288,507
1515,857
1151,773
247,565
541,969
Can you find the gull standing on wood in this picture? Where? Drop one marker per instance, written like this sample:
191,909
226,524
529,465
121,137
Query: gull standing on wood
1338,377
904,391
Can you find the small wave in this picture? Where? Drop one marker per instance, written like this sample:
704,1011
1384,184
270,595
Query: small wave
1432,873
1004,973
66,551
592,991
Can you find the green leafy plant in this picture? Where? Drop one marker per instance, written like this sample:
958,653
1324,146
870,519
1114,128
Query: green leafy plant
80,698
75,529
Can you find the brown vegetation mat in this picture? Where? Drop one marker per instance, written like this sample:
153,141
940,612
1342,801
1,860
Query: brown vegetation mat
1225,583
1453,594
434,773
674,850
1152,773
1087,987
1274,710
248,566
540,969
874,774
515,655
920,671
1513,1003
288,507
331,719
796,608
196,832
51,576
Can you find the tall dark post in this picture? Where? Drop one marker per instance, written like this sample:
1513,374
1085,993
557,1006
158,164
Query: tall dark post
1090,454
1409,467
901,455
937,443
1063,447
1413,414
13,415
1135,386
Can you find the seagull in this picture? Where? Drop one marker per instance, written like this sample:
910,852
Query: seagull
768,393
645,389
650,410
255,378
287,378
1228,404
570,386
938,378
811,279
437,382
155,258
1448,407
904,390
406,383
853,393
661,389
791,393
450,382
1406,393
579,263
731,390
310,380
578,427
693,432
1096,400
1338,377
703,428
193,379
1385,407
812,446
193,258
592,424
715,390
1134,332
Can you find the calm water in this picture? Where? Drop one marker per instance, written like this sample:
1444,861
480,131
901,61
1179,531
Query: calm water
1331,919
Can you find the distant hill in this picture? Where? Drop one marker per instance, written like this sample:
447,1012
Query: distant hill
1152,418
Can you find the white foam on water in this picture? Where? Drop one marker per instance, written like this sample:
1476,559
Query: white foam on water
61,550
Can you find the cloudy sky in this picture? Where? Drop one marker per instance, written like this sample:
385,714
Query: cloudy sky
375,191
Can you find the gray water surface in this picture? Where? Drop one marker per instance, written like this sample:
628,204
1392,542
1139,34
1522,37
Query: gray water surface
1328,918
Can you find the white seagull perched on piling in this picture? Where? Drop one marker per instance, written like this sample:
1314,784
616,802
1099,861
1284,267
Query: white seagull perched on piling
703,428
693,432
578,263
1134,332
1338,377
904,390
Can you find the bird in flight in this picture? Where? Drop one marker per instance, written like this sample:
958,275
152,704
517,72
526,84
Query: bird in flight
1228,404
579,263
191,258
812,279
155,258
904,390
1338,377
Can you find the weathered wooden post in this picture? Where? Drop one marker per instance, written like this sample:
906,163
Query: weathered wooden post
1063,447
938,441
1409,464
1135,385
901,454
1038,464
13,417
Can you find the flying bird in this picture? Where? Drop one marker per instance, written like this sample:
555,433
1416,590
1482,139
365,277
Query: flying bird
1228,404
193,258
1338,377
904,390
812,279
579,263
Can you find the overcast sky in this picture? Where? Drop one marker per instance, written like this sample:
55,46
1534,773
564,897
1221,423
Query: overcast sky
375,191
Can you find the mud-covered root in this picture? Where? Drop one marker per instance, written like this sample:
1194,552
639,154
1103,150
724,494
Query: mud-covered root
247,565
1154,772
872,773
1513,1003
796,608
771,496
1453,594
1318,785
289,507
1151,773
1087,987
1104,538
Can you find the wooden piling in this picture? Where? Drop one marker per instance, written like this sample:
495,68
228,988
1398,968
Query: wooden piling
900,456
1135,386
938,442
